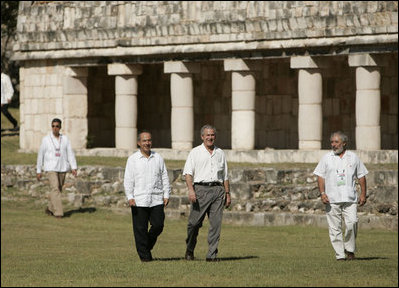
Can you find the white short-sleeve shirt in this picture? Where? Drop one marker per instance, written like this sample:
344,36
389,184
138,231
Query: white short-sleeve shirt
206,167
340,176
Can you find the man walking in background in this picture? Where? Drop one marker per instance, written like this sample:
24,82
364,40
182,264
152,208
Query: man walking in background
57,158
6,95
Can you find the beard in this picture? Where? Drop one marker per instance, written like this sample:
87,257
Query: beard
338,150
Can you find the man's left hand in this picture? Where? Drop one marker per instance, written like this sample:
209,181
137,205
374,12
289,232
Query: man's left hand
227,200
362,200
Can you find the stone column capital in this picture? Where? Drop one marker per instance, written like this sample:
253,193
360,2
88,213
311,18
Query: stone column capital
76,71
357,60
124,69
241,65
181,67
307,62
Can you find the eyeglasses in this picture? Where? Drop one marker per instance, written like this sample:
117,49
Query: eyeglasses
55,126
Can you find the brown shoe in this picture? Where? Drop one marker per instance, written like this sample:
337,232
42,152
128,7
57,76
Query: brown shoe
48,212
189,255
350,255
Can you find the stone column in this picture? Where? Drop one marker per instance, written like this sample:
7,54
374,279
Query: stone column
125,104
310,118
75,106
368,102
243,84
182,100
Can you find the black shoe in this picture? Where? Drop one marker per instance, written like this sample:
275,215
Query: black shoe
189,255
145,259
212,259
16,128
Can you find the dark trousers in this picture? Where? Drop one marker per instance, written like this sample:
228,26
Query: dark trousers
4,110
145,239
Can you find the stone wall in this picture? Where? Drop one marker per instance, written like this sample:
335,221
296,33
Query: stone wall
54,25
280,194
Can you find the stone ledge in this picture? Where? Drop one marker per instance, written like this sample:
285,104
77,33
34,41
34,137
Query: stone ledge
255,156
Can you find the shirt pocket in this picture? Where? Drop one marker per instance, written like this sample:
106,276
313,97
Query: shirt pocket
157,180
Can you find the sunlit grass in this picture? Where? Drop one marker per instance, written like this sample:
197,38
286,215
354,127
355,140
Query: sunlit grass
97,249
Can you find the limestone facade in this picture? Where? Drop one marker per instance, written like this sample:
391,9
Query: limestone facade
280,75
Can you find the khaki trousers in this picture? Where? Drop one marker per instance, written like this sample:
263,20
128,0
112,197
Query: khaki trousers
335,213
56,180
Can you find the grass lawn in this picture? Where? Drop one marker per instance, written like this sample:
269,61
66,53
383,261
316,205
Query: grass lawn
97,249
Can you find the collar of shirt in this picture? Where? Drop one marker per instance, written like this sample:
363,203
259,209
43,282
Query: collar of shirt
141,155
206,150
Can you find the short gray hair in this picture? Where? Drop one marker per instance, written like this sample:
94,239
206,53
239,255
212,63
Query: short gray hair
207,126
341,135
141,132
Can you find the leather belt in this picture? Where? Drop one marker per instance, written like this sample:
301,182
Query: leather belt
208,183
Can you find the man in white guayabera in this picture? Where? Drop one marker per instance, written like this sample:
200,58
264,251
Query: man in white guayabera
56,158
336,176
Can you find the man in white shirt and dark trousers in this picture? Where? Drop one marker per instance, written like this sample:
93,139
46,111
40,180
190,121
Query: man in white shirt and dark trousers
57,158
207,181
337,172
6,95
147,189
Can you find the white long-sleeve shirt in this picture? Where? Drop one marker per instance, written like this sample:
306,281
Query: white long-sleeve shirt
146,179
206,167
6,89
55,154
340,175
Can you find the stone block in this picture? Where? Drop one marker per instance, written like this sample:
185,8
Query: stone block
181,67
124,69
241,65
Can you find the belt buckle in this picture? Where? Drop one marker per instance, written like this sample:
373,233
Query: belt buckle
209,184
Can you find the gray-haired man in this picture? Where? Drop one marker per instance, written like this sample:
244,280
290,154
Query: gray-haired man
336,173
208,191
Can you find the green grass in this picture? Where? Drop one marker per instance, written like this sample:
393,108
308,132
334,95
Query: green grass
97,249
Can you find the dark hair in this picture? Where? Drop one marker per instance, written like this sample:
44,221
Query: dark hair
56,120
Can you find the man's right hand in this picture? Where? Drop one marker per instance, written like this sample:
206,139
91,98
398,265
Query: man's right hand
132,202
324,198
38,176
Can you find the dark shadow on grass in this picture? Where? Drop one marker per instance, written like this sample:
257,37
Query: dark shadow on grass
9,134
199,259
368,258
80,210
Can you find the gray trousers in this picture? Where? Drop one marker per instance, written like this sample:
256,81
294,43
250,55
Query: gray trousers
210,201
